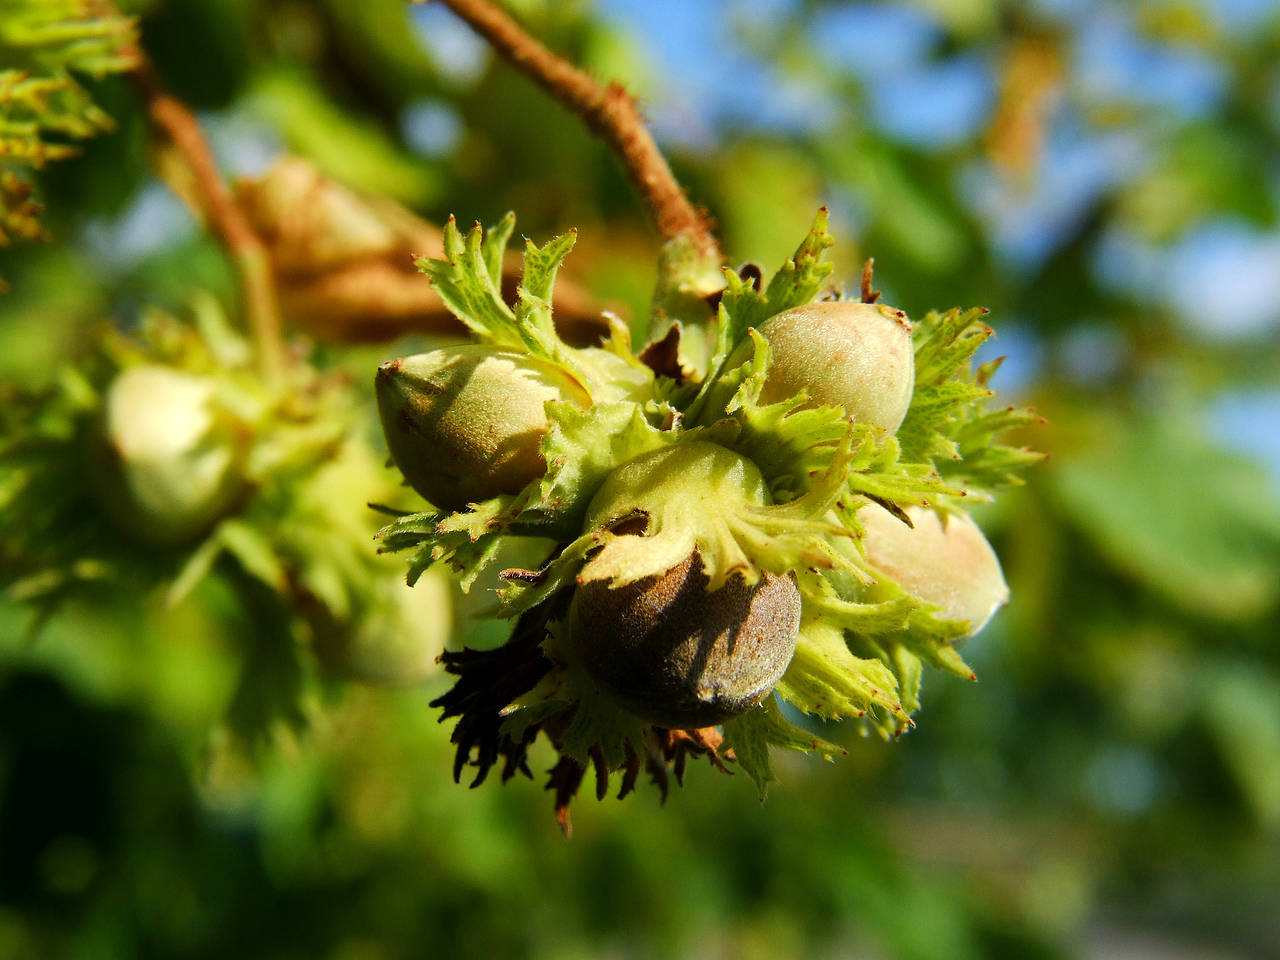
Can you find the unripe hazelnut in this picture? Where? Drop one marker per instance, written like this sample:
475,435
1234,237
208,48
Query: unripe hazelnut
167,459
858,356
680,656
465,423
948,562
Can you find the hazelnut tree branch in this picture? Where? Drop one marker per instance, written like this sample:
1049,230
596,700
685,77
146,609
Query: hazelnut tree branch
228,222
609,112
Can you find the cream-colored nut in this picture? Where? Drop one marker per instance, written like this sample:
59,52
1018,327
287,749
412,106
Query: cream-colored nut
859,356
948,562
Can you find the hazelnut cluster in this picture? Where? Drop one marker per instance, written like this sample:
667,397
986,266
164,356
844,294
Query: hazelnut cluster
787,522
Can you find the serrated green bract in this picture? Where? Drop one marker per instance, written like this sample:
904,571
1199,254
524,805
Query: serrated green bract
43,45
743,307
947,424
469,281
751,734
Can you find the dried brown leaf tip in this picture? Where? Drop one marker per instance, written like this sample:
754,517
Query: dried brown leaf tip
868,295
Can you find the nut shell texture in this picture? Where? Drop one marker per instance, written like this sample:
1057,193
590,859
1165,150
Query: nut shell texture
859,356
682,657
466,423
948,563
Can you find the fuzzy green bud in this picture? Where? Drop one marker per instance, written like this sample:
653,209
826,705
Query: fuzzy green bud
465,424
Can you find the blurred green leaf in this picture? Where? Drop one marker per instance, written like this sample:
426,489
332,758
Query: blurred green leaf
908,216
1194,522
1205,171
1242,709
343,143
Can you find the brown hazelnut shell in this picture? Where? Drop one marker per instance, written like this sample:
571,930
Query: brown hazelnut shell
682,657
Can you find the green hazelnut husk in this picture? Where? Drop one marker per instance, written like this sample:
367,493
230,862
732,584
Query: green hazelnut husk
680,656
465,424
859,356
945,561
691,481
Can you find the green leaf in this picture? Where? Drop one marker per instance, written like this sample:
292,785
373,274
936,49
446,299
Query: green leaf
947,427
747,736
526,589
542,263
946,343
582,447
269,695
742,308
789,444
699,496
469,281
800,279
598,723
43,44
196,567
533,305
930,639
909,671
870,619
468,540
1242,711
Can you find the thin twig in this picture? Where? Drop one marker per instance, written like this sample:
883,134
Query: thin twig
609,112
228,221
868,295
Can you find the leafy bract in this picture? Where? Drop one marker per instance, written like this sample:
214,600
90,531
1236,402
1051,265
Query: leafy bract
947,425
751,734
469,281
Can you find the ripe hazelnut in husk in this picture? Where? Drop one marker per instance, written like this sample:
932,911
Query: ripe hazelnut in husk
680,656
465,424
948,563
859,356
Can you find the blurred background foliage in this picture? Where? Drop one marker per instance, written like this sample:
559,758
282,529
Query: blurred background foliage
1102,174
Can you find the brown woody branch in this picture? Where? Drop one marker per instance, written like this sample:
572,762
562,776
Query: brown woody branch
609,112
344,268
176,122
